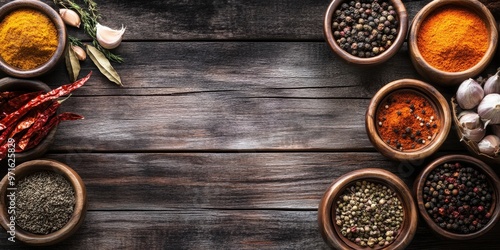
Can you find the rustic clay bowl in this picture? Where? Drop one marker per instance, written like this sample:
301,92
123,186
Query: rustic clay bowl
61,32
494,182
451,78
13,84
76,219
435,99
326,210
402,16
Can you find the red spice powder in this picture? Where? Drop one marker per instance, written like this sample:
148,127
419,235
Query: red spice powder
407,120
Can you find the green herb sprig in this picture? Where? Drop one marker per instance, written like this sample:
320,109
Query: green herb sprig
89,17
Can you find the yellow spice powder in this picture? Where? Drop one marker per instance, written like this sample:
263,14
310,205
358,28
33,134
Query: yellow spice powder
28,39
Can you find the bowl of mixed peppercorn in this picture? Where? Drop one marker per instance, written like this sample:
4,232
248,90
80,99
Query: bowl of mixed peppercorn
408,120
457,196
368,208
365,32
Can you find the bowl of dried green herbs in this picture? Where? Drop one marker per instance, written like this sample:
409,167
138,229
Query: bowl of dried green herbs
42,202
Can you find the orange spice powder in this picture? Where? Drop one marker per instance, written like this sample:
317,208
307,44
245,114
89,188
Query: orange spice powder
452,39
406,121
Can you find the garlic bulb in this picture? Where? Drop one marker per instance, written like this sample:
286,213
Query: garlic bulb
70,17
469,94
489,109
109,38
490,145
79,52
474,135
470,120
492,85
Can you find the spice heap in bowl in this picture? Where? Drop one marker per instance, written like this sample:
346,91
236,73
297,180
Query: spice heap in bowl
365,32
27,118
44,204
450,41
458,197
408,120
476,114
369,208
41,32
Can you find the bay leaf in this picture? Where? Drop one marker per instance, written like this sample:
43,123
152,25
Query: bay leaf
72,64
103,64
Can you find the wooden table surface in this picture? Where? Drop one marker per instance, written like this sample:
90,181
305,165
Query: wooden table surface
234,118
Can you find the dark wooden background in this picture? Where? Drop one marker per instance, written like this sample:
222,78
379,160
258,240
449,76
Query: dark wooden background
234,119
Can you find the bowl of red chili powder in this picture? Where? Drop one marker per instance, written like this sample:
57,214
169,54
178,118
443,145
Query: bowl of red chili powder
451,40
41,32
408,119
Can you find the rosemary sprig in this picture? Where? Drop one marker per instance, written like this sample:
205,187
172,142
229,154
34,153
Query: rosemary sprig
89,19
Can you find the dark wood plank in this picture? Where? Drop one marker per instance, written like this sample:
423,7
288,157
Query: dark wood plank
159,181
206,229
218,20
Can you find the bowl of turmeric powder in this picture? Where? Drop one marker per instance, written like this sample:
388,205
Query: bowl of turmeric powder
452,40
32,38
408,120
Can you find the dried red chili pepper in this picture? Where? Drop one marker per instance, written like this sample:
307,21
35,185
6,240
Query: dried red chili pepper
14,103
50,125
29,119
41,120
51,95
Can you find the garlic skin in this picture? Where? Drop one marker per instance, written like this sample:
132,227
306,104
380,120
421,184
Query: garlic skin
490,145
79,52
474,135
109,38
70,17
492,85
489,109
469,94
470,120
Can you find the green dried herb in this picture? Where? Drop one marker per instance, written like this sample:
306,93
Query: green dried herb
102,62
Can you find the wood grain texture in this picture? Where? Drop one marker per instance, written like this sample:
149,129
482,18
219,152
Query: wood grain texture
218,19
207,229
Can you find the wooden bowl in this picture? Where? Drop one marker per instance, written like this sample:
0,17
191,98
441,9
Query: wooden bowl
492,178
433,96
326,210
61,32
402,16
76,219
451,78
13,84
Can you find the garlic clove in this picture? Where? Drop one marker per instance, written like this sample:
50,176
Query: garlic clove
109,38
470,120
474,135
79,52
70,17
469,94
492,85
489,109
490,145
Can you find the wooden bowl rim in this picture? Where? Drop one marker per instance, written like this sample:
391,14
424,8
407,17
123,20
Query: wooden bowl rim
9,83
61,32
381,58
80,201
325,210
492,179
431,93
452,78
